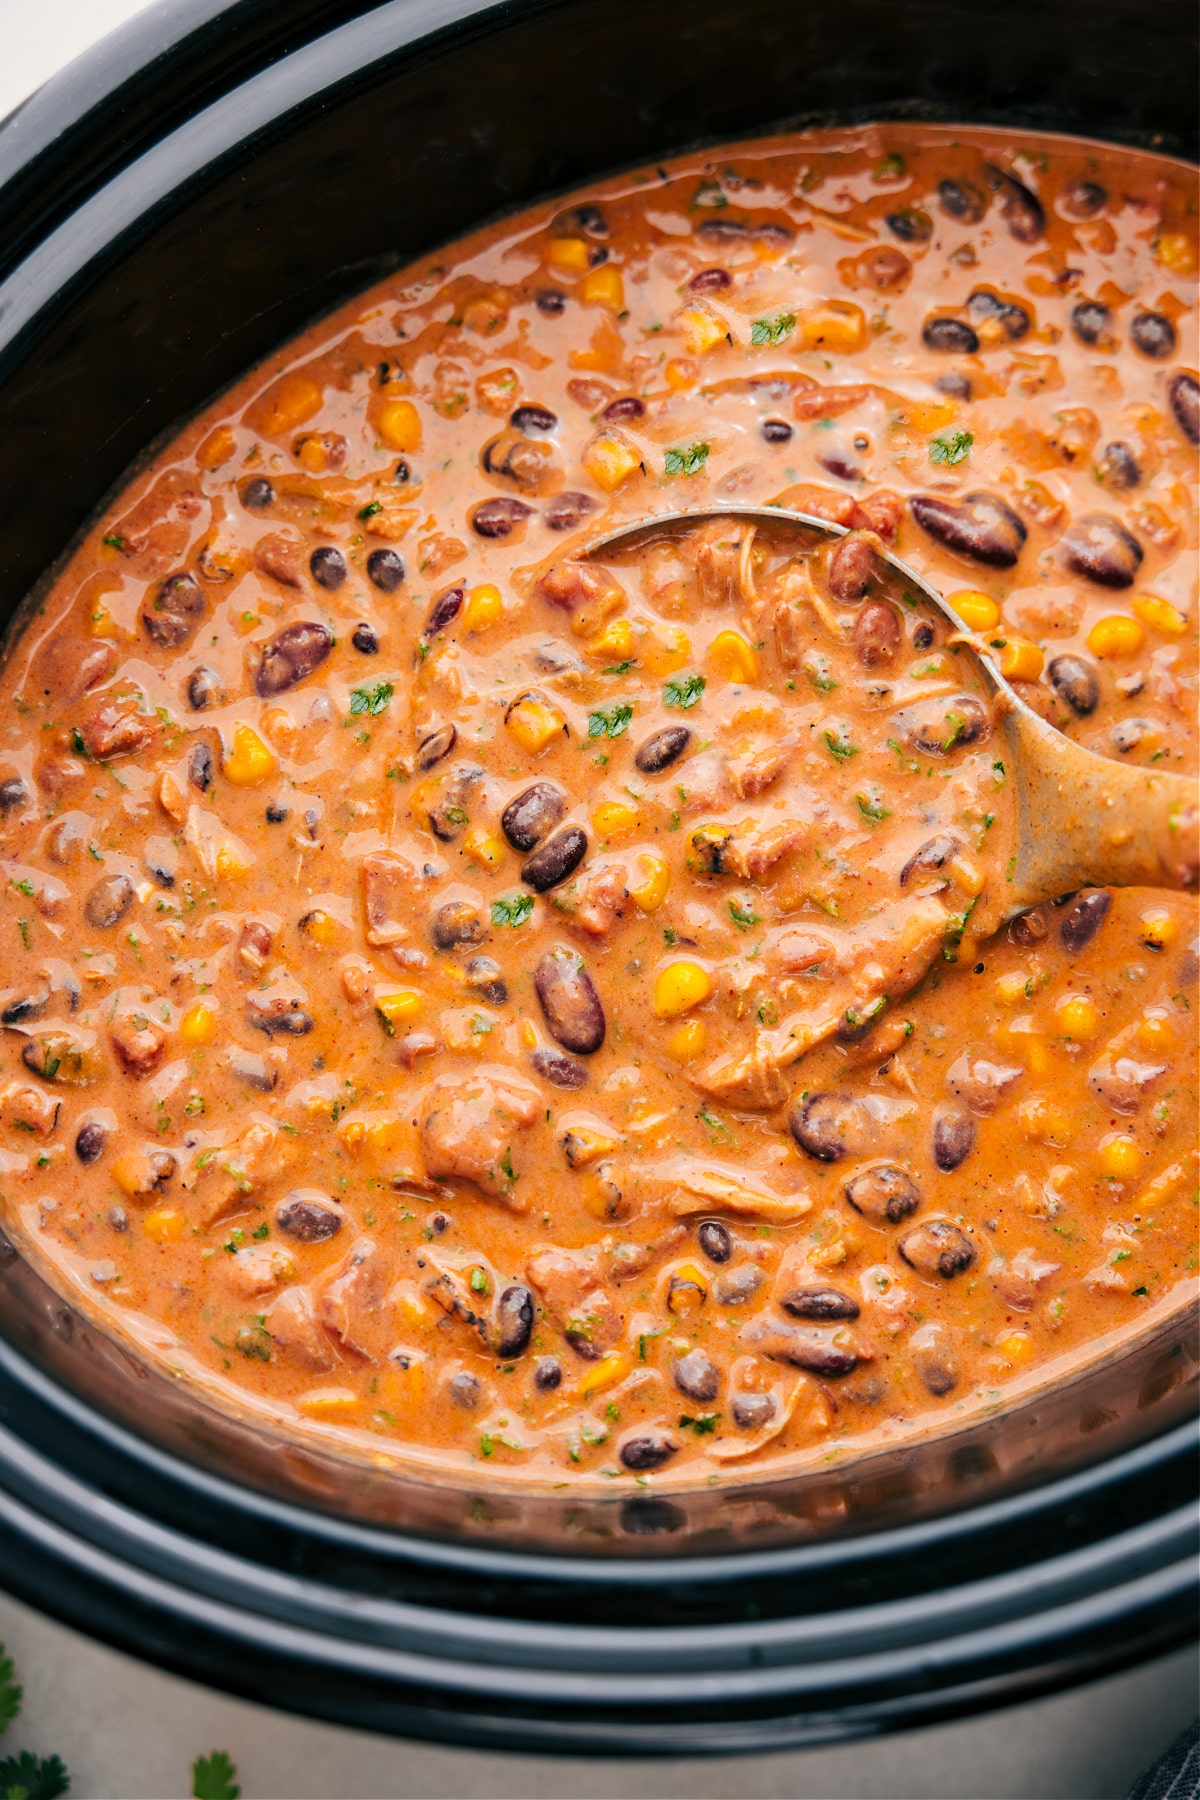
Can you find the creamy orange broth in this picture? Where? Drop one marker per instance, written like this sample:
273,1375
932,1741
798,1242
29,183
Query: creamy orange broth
510,1009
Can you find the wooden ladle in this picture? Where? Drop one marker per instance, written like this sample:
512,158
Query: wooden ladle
1082,820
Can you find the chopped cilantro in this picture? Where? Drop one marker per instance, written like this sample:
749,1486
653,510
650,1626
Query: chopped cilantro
872,808
513,911
215,1777
951,447
703,1426
114,540
742,917
371,701
840,746
687,461
684,692
610,723
773,331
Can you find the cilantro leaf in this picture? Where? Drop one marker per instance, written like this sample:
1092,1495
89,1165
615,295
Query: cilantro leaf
215,1777
951,447
29,1777
11,1692
872,808
889,166
687,461
684,692
773,331
840,746
371,701
703,1426
610,723
513,911
742,916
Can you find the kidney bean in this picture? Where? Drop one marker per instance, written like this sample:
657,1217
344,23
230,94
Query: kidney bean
514,1320
175,611
445,609
954,336
660,751
385,570
90,1141
534,812
550,302
819,1303
1184,395
876,635
1083,919
851,568
327,566
258,493
839,465
715,1241
623,409
205,689
710,281
200,766
1029,927
457,922
570,1004
499,518
753,1412
776,431
1118,467
309,1216
1091,322
559,1070
548,1374
1013,320
108,902
944,725
697,1375
932,854
1154,335
1074,680
1084,199
646,1450
820,1352
962,201
953,1138
533,418
912,225
291,656
487,980
883,1193
13,793
566,511
1020,208
557,858
980,527
438,744
932,1351
1099,548
823,1124
936,1247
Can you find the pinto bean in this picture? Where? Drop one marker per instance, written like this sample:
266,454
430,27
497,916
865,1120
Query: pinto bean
1083,919
385,570
646,1450
962,201
936,1247
559,1070
175,611
753,1412
823,1125
291,656
819,1303
514,1320
851,569
1099,548
1184,395
1118,468
499,518
565,511
205,689
953,1138
445,609
570,1004
876,635
1091,322
557,858
1074,680
953,336
457,922
932,1351
309,1216
696,1375
939,726
108,902
1154,335
932,854
660,751
883,1193
715,1241
535,811
980,527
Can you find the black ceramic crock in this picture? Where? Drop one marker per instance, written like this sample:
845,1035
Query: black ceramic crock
171,207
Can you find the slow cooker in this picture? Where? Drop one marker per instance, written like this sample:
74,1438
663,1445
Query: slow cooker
171,207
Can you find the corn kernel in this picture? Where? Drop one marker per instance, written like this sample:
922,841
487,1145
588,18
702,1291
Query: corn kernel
527,1035
616,640
679,987
411,1304
1156,1033
311,454
568,255
1077,1017
654,879
977,611
1120,1156
170,797
687,1290
1116,635
229,864
614,818
1037,1055
165,1225
249,761
1159,928
319,927
680,373
731,656
1020,660
353,1133
217,448
399,425
485,846
687,1041
1010,988
396,1009
1017,1346
1159,615
701,330
289,403
533,723
1044,1122
199,1024
611,1368
1175,251
331,1403
603,287
484,607
610,461
969,876
385,1135
836,325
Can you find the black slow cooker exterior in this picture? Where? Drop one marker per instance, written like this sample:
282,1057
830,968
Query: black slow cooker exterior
171,207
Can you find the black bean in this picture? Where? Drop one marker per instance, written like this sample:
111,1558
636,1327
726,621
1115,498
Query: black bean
566,511
557,858
205,689
200,767
735,1286
277,813
932,854
364,640
280,1018
823,1123
533,418
953,1138
162,861
1091,321
883,1193
436,745
1030,927
936,1247
535,811
13,793
958,386
584,218
1118,468
1021,209
722,231
819,1303
487,980
660,751
911,225
776,431
108,902
980,527
1099,548
385,570
1074,680
1013,320
647,1450
953,335
327,566
753,1412
570,1004
548,1374
309,1216
465,1389
1154,335
818,1351
715,1241
1084,199
90,1141
402,474
258,493
1083,919
941,726
1184,395
559,1070
175,611
962,201
514,1320
457,922
26,1006
550,302
291,656
254,1071
697,1375
922,635
445,609
499,518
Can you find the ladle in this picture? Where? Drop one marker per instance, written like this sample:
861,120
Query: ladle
1083,820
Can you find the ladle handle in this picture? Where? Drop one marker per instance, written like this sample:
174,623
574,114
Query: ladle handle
1086,821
